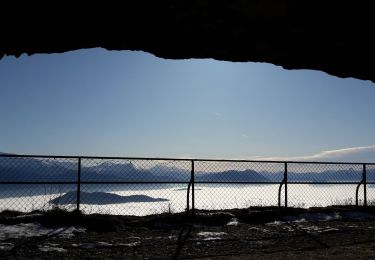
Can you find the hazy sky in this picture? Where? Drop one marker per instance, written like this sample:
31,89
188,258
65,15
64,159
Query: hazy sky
95,102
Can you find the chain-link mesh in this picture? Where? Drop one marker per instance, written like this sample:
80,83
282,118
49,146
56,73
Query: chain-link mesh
323,184
223,185
152,186
324,173
370,187
28,184
128,170
134,187
20,169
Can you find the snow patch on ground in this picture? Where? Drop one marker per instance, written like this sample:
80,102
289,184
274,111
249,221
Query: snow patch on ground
6,246
67,232
209,236
318,229
35,230
329,229
134,238
233,222
217,214
256,229
50,247
314,217
104,245
28,216
329,216
275,223
22,230
84,245
130,244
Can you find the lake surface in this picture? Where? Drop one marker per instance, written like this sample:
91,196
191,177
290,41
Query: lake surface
207,196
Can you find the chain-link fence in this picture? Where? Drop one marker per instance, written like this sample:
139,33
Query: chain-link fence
143,186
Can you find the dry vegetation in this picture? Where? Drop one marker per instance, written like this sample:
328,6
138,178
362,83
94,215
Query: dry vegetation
252,233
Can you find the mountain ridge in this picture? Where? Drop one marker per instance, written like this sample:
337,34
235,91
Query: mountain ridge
32,169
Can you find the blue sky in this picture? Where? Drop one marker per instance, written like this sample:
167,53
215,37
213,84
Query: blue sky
96,102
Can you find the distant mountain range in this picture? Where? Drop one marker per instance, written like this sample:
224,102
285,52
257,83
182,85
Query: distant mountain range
234,176
30,169
349,175
33,169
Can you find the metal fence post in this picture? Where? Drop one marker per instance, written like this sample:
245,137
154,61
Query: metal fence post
192,188
188,197
286,184
364,173
79,183
279,193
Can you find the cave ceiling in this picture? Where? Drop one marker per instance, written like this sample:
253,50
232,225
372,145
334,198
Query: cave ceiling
331,36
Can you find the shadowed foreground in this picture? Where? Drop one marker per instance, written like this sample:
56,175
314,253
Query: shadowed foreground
332,232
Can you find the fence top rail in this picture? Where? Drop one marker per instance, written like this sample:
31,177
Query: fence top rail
175,159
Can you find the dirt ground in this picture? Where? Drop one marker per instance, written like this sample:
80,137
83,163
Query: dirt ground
256,233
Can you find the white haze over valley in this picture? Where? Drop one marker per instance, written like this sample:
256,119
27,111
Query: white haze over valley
172,198
210,197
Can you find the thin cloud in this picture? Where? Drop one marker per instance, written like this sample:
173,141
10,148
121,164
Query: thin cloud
245,136
353,154
216,114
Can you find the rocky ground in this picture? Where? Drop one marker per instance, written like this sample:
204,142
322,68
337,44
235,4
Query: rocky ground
335,232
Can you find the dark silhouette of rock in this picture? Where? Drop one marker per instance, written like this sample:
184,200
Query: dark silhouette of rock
331,36
101,198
